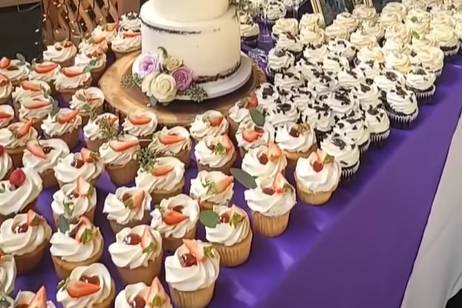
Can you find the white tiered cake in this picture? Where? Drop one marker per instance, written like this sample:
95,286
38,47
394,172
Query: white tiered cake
204,36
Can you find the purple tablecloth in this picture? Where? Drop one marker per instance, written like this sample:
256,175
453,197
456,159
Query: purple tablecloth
355,252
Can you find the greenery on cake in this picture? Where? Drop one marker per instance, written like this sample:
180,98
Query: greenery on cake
164,77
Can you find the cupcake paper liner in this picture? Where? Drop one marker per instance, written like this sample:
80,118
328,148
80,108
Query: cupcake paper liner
450,52
236,254
271,226
143,273
172,243
192,299
424,96
348,172
314,198
402,121
379,138
123,174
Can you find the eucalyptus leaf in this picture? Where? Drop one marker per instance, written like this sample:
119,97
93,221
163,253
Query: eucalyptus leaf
209,219
257,117
244,178
63,224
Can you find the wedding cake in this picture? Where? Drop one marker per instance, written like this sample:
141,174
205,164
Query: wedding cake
197,43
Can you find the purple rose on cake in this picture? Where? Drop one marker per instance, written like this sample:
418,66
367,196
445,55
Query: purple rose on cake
183,78
149,64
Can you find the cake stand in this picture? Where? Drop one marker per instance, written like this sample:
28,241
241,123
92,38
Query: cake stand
124,97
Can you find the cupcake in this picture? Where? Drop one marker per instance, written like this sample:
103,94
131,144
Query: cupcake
431,58
7,274
85,164
336,31
35,110
341,48
16,70
271,202
162,177
279,60
74,200
43,156
347,20
264,161
191,273
295,141
127,208
31,299
28,90
422,82
387,80
370,53
378,124
87,286
347,154
6,115
249,30
267,94
368,94
126,42
240,112
398,61
141,125
317,177
348,78
210,123
395,8
312,21
129,22
137,253
6,88
45,71
14,139
353,129
62,53
101,129
364,12
333,64
140,295
401,107
447,39
175,218
70,80
315,36
319,115
275,10
26,237
212,188
19,192
284,26
6,164
249,135
64,124
75,245
120,159
315,53
229,231
174,142
94,43
215,153
341,101
88,102
289,79
291,43
95,62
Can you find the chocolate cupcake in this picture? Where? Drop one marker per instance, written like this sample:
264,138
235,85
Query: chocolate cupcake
379,125
422,82
347,154
401,107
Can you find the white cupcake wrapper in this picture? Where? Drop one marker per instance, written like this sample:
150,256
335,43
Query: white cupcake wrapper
347,173
451,52
423,96
402,121
377,138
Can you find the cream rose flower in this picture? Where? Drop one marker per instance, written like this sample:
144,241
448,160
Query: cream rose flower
172,63
163,88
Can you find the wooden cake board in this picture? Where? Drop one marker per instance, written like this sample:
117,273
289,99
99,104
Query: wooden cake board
124,97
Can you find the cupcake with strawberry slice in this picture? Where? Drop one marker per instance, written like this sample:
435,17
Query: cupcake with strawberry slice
5,163
45,71
176,219
296,141
229,231
6,88
89,102
317,177
87,286
6,115
127,208
137,253
239,113
31,90
212,188
101,129
14,139
95,62
141,295
93,43
31,299
250,135
62,53
75,245
35,110
85,164
264,161
19,192
126,42
65,124
215,153
174,141
162,177
210,123
74,200
43,156
26,237
191,273
71,79
16,70
141,125
7,274
271,200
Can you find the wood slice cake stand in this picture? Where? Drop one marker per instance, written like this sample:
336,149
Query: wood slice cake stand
124,97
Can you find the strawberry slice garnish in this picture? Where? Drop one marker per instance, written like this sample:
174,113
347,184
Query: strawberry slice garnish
138,198
122,146
43,68
31,86
223,184
5,62
87,156
67,117
17,178
72,71
84,232
215,121
162,170
40,299
83,187
78,289
170,139
23,128
274,152
131,34
252,102
194,249
33,219
278,183
155,289
35,149
139,119
172,217
35,104
251,135
5,115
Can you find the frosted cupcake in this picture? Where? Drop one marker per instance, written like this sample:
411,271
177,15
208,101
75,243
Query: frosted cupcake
70,80
28,90
212,188
281,114
137,253
35,110
447,39
279,60
285,25
120,159
87,286
320,116
341,48
6,115
271,202
240,112
289,79
398,61
129,22
422,82
175,219
43,156
126,42
6,88
45,71
62,53
249,29
312,21
317,177
267,94
95,62
31,299
347,20
368,94
215,153
336,31
353,129
74,200
16,70
347,154
210,123
312,36
75,245
94,43
291,43
249,136
64,124
378,125
229,231
174,142
191,273
296,141
26,237
364,12
127,208
141,125
264,161
395,8
88,102
19,192
162,177
14,139
431,58
85,164
402,108
342,101
7,274
140,294
101,129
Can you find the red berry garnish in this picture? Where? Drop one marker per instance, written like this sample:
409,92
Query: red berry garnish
17,178
268,191
138,302
263,159
318,166
21,228
188,260
132,239
224,218
178,208
90,279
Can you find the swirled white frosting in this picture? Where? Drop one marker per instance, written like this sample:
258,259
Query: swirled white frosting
229,233
315,54
214,151
207,187
388,79
346,154
52,127
279,59
296,144
402,101
373,28
6,87
248,27
279,115
112,156
325,180
319,116
16,71
93,61
286,25
151,182
374,53
93,44
127,296
7,115
333,64
275,10
347,21
108,31
89,98
431,58
365,12
312,36
116,209
341,48
360,39
48,76
59,52
59,150
184,143
93,130
201,126
267,94
398,61
126,42
353,130
9,137
5,164
71,203
289,42
31,89
312,21
144,129
368,93
64,82
444,35
67,172
377,120
420,79
7,274
399,32
34,110
273,163
266,136
26,297
396,8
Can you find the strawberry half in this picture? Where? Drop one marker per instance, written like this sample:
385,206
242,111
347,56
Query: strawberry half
36,150
33,219
216,121
162,170
122,146
170,139
78,289
274,152
139,119
67,117
84,230
31,86
43,68
222,185
278,183
72,71
83,187
40,299
251,135
172,218
5,62
17,178
194,249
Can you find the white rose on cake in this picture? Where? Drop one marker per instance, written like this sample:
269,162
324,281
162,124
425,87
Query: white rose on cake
161,86
172,63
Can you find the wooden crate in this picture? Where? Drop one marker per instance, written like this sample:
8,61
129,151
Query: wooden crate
74,18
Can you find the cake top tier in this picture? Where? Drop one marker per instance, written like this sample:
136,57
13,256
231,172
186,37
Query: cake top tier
190,10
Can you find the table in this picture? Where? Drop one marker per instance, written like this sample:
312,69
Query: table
357,251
